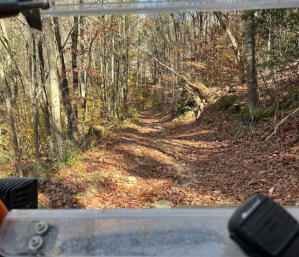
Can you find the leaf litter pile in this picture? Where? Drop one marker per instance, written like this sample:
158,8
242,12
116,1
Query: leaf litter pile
159,162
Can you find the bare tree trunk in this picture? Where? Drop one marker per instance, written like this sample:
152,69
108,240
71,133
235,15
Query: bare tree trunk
54,86
113,95
45,105
127,66
35,102
252,85
138,52
64,84
74,48
206,25
200,25
83,78
270,42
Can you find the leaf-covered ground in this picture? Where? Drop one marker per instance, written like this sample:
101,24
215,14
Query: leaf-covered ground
186,162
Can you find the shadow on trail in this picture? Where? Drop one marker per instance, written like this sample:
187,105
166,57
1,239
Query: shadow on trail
155,149
213,165
60,193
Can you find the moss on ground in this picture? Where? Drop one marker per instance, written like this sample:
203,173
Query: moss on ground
270,110
224,103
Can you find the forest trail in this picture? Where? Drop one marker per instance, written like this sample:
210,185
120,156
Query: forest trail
156,162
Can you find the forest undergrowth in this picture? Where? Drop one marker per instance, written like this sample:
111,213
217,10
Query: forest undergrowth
218,159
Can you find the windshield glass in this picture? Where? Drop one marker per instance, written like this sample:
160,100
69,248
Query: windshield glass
162,104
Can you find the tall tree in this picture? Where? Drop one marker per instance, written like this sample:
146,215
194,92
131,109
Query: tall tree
45,104
75,72
35,99
252,85
54,85
64,83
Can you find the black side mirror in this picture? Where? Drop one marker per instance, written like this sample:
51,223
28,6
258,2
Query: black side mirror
19,193
263,228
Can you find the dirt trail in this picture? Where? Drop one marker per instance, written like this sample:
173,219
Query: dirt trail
179,163
152,138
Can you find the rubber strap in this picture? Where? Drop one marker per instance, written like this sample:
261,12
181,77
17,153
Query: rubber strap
3,211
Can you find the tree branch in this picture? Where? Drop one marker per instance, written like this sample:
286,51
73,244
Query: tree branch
281,122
